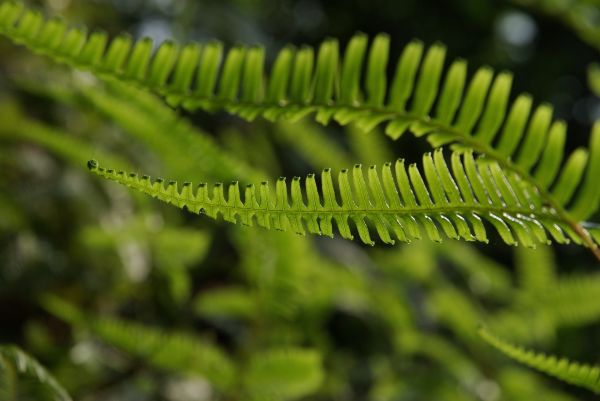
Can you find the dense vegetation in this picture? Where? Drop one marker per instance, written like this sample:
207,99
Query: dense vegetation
459,206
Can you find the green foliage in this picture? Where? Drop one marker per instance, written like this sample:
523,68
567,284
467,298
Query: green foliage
471,192
594,78
571,372
178,352
146,302
22,378
300,85
232,303
147,118
283,374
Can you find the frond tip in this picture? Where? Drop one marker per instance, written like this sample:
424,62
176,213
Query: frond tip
402,203
581,375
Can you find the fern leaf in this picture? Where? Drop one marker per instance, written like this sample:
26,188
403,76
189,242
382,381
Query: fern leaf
168,350
230,302
582,375
474,115
572,301
536,270
73,150
146,117
284,374
176,352
402,203
23,378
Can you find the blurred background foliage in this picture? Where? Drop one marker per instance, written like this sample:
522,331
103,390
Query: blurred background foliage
122,298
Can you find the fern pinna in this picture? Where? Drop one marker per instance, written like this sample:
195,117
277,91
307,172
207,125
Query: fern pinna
526,144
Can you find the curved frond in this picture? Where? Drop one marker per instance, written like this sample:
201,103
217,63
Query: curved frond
474,114
23,378
582,375
402,203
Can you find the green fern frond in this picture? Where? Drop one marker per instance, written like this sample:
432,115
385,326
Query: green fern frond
67,147
146,117
536,270
452,359
582,375
401,202
283,374
476,116
572,301
226,303
23,378
168,350
176,352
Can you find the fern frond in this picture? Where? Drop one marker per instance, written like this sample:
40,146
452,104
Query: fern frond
572,301
401,203
284,374
168,350
304,81
176,352
23,378
146,117
67,147
229,302
583,375
536,270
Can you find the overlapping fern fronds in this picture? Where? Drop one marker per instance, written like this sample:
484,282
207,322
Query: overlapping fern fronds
349,88
582,375
401,203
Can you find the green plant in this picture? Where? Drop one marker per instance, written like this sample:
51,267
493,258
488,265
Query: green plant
561,368
22,377
293,91
507,167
